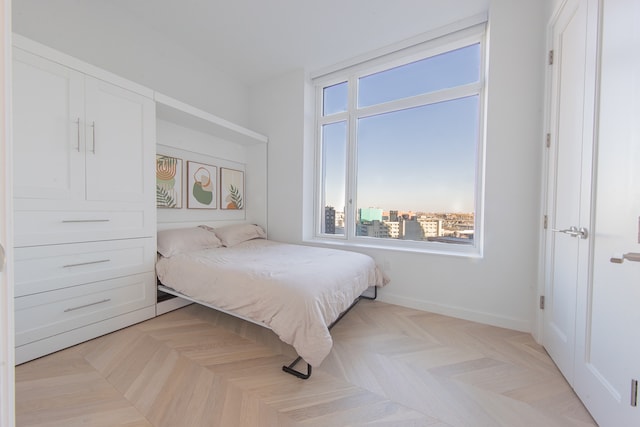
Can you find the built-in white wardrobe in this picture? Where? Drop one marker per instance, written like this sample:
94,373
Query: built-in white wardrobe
85,218
84,203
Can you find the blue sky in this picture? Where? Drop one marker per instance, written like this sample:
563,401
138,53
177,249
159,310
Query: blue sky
418,159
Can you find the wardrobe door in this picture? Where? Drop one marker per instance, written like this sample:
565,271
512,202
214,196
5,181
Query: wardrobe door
120,144
48,129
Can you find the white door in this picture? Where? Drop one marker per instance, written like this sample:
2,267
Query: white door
48,129
6,213
574,35
120,143
608,341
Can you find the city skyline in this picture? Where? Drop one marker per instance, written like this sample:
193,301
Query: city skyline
418,226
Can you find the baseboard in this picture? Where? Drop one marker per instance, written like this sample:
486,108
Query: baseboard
458,312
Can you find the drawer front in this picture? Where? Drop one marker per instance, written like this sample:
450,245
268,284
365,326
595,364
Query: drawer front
45,227
46,268
49,313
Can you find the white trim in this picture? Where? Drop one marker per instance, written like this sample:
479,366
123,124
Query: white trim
538,326
522,325
325,73
185,115
7,358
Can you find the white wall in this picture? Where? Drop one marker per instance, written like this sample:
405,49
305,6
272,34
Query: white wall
278,110
190,145
499,289
98,33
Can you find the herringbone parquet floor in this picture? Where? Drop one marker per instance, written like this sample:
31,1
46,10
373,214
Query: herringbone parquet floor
390,366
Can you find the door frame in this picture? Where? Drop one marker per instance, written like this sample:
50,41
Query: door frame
547,156
538,327
7,372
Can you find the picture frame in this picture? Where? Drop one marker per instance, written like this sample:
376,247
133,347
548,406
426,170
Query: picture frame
168,182
231,189
201,185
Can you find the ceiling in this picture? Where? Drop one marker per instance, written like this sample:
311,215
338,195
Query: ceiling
258,39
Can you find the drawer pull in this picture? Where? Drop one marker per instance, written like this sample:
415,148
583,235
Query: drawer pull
86,263
84,220
87,305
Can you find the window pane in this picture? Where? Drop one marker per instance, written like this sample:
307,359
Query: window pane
447,70
416,172
334,99
334,163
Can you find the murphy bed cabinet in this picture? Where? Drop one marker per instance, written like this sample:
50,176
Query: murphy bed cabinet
85,218
193,134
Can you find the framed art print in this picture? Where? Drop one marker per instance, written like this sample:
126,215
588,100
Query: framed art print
201,186
168,182
231,189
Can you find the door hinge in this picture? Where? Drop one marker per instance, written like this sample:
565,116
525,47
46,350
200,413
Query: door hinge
551,57
541,302
548,141
634,393
545,222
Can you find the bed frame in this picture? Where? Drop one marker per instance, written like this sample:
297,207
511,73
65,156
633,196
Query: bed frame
290,369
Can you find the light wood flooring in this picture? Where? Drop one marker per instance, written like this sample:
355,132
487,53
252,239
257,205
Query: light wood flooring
390,366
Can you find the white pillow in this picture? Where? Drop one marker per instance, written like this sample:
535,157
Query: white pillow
231,235
180,240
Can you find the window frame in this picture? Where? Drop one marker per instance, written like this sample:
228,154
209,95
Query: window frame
449,42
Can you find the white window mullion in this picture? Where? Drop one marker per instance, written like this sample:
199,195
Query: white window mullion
352,160
319,166
333,118
421,100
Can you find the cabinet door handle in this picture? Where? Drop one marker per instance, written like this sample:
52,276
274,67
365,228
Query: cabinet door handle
93,132
86,263
78,123
66,221
87,305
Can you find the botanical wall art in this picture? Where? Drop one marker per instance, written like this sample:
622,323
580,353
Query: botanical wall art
168,182
201,186
231,189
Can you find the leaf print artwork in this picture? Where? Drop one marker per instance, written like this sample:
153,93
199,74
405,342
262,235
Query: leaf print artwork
168,182
231,189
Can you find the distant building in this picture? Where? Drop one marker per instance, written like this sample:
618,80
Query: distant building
374,229
370,214
431,227
393,228
393,216
411,230
329,220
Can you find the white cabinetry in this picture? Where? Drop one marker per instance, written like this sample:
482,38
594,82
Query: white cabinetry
48,101
84,205
84,155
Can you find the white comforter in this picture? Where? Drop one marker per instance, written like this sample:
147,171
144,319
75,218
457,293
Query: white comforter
297,291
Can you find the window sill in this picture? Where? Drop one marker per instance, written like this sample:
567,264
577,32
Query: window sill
442,249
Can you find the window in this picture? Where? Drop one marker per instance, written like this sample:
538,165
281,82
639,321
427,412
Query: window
400,143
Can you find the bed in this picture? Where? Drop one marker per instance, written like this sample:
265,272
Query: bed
297,291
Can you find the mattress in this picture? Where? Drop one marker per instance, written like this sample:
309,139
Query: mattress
297,291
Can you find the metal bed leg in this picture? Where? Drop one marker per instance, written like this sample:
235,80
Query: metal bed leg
375,294
289,370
